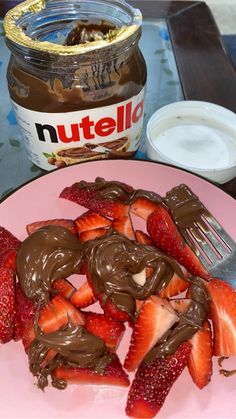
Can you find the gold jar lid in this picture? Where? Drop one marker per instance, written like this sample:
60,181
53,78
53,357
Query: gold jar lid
16,33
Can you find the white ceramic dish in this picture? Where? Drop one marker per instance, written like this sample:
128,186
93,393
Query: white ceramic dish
197,136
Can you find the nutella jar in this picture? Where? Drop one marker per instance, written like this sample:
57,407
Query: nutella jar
76,78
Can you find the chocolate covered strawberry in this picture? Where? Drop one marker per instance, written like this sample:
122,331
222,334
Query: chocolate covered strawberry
155,318
104,327
106,198
168,239
113,374
68,224
153,381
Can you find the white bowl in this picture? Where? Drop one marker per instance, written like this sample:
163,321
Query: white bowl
197,136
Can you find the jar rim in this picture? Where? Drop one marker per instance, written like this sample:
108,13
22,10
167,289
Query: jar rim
16,34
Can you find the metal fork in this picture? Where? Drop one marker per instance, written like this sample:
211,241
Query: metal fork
210,242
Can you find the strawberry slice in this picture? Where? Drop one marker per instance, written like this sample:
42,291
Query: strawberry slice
153,381
90,221
110,309
7,240
223,316
8,259
174,287
180,304
124,227
200,360
167,238
93,196
143,207
52,317
25,311
113,375
83,297
69,224
155,318
64,288
7,304
143,238
106,328
85,236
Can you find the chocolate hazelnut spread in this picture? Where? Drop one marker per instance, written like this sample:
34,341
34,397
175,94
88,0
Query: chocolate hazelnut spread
189,323
78,81
74,346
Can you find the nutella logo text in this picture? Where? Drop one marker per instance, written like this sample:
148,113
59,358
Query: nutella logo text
88,129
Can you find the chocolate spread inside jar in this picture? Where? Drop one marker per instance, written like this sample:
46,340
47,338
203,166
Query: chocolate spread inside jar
78,82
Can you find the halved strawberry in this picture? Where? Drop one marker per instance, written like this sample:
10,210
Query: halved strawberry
167,238
153,381
155,318
143,207
113,375
106,328
84,296
200,360
64,288
52,317
124,227
68,224
223,316
174,287
143,238
25,311
7,304
93,196
92,234
7,240
110,309
90,221
8,259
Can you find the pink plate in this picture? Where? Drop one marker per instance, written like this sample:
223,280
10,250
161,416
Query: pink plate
38,200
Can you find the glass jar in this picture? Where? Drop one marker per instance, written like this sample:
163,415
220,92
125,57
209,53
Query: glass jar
76,78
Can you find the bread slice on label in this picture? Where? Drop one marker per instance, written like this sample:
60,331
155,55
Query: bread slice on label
92,151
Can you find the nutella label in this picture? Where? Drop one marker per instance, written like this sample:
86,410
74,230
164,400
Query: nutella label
60,139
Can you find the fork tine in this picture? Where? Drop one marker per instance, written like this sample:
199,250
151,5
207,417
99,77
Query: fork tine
217,245
204,246
219,230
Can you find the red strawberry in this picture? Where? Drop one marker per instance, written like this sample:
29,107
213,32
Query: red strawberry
106,328
153,382
68,224
167,238
92,234
200,360
83,297
90,221
143,238
7,240
7,304
8,259
25,311
90,196
143,207
223,316
113,375
110,309
52,317
124,227
64,288
155,318
174,287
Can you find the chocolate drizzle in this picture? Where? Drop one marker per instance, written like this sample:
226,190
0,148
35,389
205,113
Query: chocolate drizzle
189,323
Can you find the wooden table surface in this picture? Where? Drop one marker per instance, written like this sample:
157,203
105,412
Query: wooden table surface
205,69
